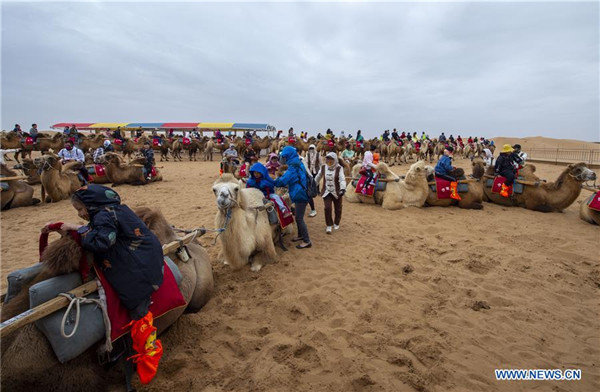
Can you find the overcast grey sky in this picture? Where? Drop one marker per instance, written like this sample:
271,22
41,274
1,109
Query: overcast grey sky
509,69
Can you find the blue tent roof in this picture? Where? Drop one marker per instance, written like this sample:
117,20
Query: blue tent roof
250,126
144,125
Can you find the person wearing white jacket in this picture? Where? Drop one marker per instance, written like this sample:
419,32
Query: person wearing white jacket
333,188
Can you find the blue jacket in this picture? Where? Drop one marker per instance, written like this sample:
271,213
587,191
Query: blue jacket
265,184
295,177
129,254
444,165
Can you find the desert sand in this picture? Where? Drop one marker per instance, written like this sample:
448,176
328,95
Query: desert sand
430,299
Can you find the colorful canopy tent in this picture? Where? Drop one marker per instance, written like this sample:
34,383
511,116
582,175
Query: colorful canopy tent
170,125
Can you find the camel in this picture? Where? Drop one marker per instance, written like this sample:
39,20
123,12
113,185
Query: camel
395,153
191,148
411,191
438,150
586,213
29,169
18,193
28,361
208,150
259,144
120,173
473,150
472,199
547,196
91,142
131,146
10,140
248,236
59,181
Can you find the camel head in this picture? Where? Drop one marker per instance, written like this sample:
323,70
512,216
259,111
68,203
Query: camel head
48,162
417,171
478,167
227,191
581,172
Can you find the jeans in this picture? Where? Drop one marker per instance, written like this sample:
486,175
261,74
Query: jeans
337,207
302,229
311,203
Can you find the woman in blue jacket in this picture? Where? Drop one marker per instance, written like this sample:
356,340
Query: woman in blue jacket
296,180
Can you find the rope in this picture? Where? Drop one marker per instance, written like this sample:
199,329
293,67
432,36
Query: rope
77,301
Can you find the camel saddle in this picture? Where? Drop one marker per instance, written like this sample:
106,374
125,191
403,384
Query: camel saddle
91,327
156,142
594,203
330,143
442,187
97,170
496,184
280,213
28,141
375,186
186,141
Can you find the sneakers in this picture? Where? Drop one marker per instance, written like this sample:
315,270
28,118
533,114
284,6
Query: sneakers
313,213
336,227
328,230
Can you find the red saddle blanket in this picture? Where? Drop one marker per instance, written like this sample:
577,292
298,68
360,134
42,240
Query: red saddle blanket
28,141
359,144
153,172
417,147
248,142
166,298
284,213
370,189
330,143
243,171
135,139
155,142
99,169
291,140
442,188
497,185
595,202
119,142
186,141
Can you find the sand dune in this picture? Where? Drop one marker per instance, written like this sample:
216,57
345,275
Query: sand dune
427,299
545,142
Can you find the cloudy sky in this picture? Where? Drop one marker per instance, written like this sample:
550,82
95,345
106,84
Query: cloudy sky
487,68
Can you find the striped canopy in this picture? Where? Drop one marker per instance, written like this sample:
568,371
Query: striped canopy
169,125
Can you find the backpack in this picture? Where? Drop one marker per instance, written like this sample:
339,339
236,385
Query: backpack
311,187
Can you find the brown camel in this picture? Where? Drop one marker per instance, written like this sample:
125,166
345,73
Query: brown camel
17,193
586,213
58,181
29,169
28,361
91,142
259,144
472,199
118,172
548,196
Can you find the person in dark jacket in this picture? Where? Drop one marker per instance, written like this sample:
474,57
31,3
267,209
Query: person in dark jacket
504,167
128,253
260,179
296,180
445,170
148,153
250,155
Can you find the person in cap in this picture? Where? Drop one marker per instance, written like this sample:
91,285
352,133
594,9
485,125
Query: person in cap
332,190
519,157
445,170
505,167
100,151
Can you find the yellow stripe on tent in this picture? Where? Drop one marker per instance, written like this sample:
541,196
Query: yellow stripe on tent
215,125
108,125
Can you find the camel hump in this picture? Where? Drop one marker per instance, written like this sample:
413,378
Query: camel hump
251,198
